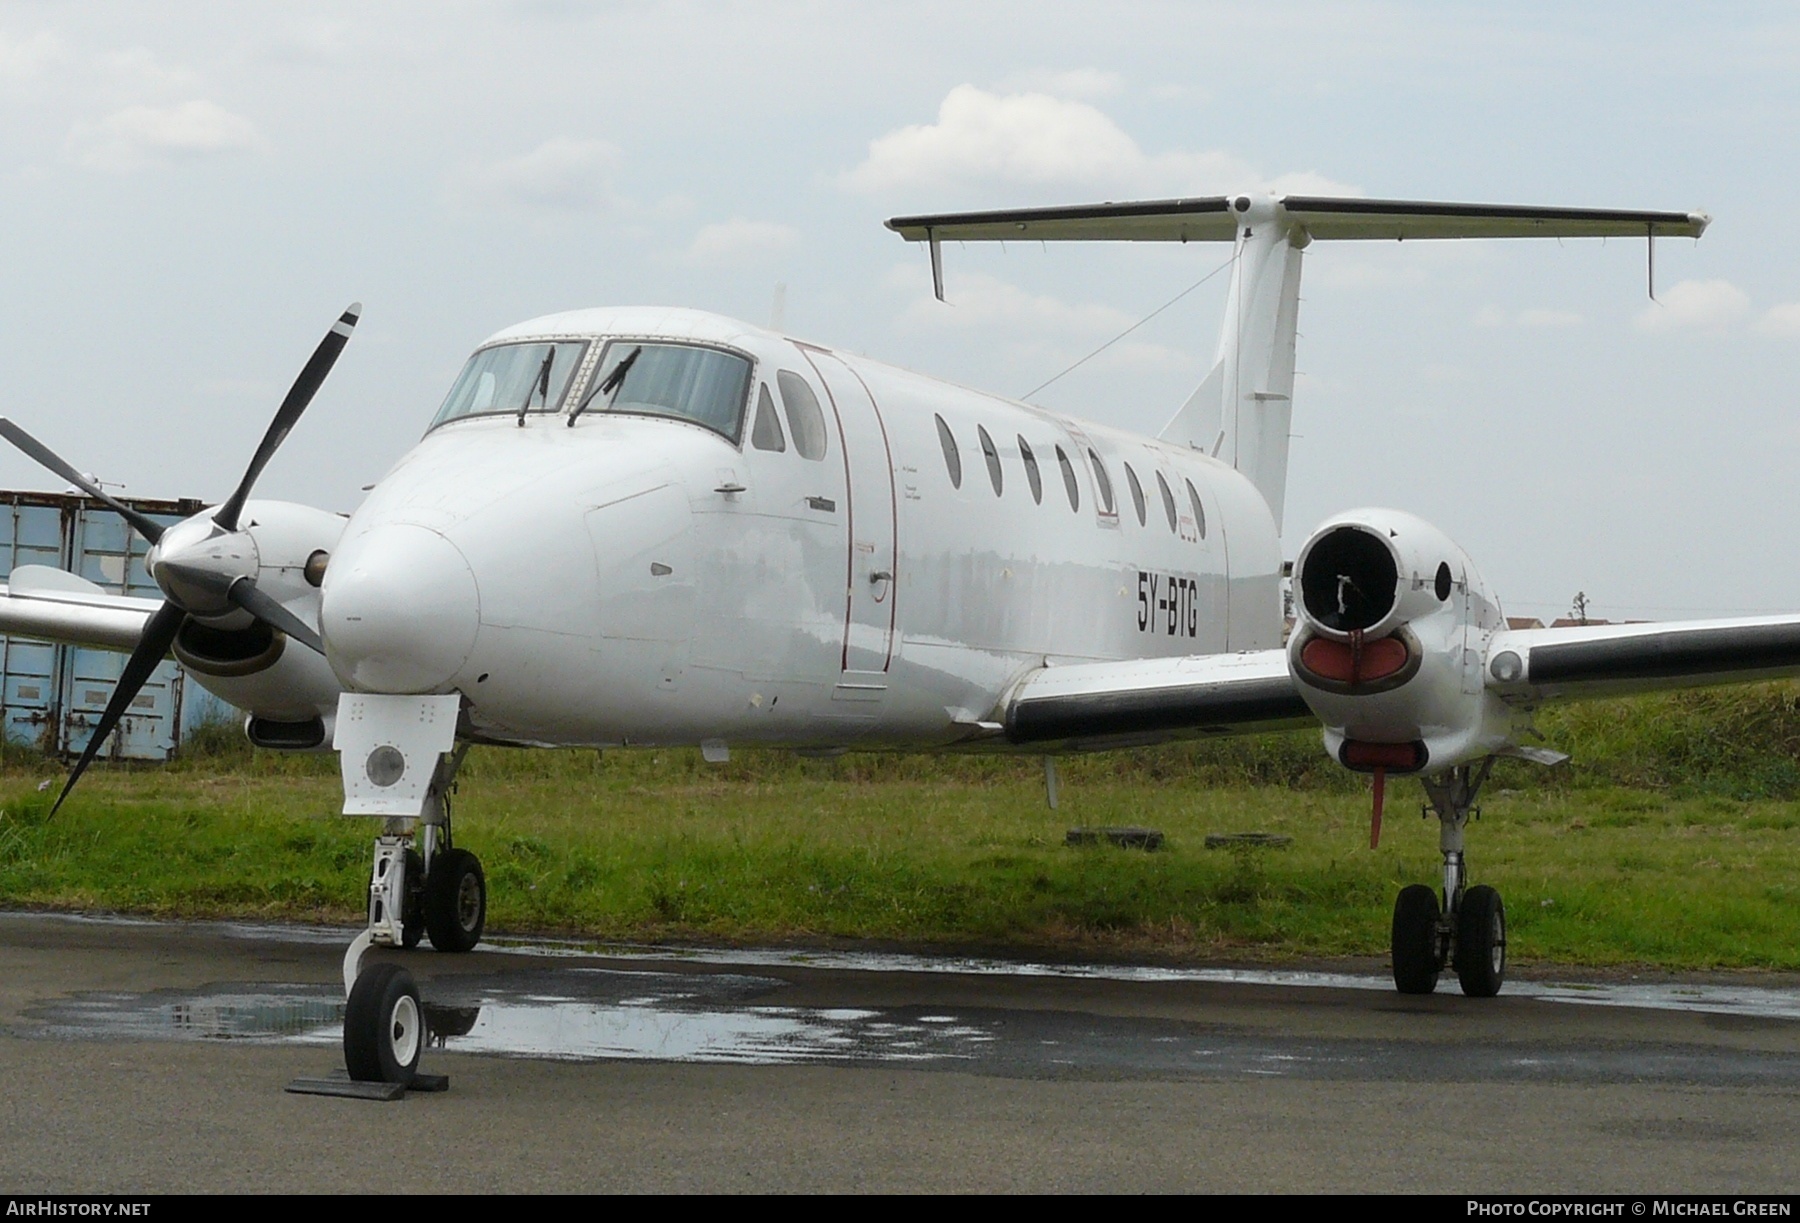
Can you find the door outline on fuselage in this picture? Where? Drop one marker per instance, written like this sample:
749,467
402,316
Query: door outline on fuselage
888,599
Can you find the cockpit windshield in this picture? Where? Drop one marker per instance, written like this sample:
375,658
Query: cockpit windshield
707,386
513,378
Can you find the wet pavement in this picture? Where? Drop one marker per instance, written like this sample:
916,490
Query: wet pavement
141,1054
606,1014
573,1001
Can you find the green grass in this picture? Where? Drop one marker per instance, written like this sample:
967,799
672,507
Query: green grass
1670,842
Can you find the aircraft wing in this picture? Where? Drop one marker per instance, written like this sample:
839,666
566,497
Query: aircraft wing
1113,704
1527,666
1110,704
1212,219
53,605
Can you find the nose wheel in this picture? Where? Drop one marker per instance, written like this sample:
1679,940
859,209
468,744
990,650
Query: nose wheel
384,1026
1468,930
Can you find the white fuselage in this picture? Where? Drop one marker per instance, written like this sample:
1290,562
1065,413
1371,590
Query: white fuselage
641,579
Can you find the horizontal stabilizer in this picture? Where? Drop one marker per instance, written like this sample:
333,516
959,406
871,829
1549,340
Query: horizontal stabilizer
1215,219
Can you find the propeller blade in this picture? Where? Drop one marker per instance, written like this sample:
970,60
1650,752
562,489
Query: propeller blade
149,528
299,395
268,609
159,634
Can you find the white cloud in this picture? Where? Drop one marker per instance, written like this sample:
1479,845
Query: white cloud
1494,316
1545,317
739,241
21,59
1076,83
1782,321
561,173
1691,304
137,70
976,300
1037,140
139,136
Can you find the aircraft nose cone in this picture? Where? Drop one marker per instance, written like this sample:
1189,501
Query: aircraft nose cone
398,610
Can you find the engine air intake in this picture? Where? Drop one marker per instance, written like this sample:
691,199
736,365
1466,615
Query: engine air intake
227,652
1349,580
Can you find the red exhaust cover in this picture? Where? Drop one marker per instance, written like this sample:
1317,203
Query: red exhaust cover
1339,661
1365,757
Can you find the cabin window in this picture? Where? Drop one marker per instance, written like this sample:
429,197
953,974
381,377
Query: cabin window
513,377
992,456
1168,500
1032,476
765,431
1068,470
952,457
805,420
1103,484
1199,511
706,386
1137,493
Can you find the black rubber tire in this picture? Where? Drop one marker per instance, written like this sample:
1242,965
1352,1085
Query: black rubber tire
384,1026
1481,942
1415,940
412,915
455,901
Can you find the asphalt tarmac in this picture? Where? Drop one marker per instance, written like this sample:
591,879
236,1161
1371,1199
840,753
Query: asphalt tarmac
140,1057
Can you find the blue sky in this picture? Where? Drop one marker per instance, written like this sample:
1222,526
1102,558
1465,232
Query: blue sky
189,193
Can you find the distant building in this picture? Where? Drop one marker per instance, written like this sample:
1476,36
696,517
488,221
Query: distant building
1524,622
51,695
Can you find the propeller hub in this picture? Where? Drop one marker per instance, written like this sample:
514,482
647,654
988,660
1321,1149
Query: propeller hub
197,562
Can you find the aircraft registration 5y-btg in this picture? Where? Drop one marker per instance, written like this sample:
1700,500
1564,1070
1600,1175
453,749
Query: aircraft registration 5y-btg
649,526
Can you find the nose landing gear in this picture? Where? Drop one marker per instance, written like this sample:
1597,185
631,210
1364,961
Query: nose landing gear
1468,931
398,762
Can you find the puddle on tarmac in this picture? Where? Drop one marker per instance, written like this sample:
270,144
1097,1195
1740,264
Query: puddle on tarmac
574,1014
597,1014
1748,1001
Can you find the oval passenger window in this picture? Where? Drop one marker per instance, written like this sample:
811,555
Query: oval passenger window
1032,477
952,458
992,456
1103,484
1199,512
1068,470
1137,493
1168,499
805,420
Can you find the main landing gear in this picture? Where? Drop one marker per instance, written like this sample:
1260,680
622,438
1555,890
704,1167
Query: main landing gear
398,762
1468,931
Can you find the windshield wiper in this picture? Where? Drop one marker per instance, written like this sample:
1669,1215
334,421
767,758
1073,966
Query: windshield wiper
539,386
609,384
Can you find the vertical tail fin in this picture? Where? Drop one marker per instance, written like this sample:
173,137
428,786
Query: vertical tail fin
1241,413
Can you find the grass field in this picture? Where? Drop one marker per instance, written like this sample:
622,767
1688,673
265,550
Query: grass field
1670,842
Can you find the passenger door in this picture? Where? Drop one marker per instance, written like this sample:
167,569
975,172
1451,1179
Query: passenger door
872,556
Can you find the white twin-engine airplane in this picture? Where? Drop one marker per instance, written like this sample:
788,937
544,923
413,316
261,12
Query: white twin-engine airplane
657,526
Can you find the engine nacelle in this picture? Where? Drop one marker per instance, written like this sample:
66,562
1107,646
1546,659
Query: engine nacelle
288,691
1392,625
